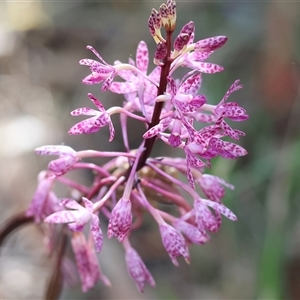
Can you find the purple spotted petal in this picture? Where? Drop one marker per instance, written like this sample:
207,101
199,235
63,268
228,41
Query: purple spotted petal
184,107
120,220
190,176
172,86
90,125
221,209
94,78
96,232
227,149
228,130
98,70
79,246
192,159
108,81
142,57
232,111
207,68
87,262
88,204
198,101
156,18
54,150
40,197
151,25
211,44
64,216
137,270
85,111
188,28
212,186
174,140
70,203
194,235
181,41
63,164
205,218
92,63
174,243
204,117
197,57
171,5
161,127
111,131
155,74
123,87
234,87
191,85
161,51
96,102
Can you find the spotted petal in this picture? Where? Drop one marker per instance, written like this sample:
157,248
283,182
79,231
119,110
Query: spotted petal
211,44
84,111
64,216
63,164
191,85
90,125
155,130
227,149
96,232
208,68
174,243
70,203
192,232
221,209
137,269
142,57
54,150
123,87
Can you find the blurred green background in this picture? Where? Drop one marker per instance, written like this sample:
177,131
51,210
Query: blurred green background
257,257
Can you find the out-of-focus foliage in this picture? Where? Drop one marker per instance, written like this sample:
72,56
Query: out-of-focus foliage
40,83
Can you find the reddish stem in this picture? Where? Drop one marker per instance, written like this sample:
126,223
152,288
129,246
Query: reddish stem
165,70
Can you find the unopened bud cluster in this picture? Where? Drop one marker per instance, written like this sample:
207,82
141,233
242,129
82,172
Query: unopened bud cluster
132,182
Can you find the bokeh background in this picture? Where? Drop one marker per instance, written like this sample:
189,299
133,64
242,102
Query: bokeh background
257,257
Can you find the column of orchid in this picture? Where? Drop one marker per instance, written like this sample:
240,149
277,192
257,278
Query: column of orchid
124,189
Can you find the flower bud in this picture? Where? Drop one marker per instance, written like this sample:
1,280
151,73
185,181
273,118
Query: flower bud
174,243
120,220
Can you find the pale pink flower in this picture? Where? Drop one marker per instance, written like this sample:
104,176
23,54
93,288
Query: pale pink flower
101,71
91,125
132,79
78,217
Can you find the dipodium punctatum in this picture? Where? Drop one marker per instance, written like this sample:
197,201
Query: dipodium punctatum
132,182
